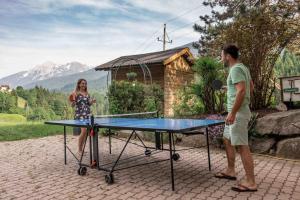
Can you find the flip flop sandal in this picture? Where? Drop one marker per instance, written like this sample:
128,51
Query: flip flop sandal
242,188
222,175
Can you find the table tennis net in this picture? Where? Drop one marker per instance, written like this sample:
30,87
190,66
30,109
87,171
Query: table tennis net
153,114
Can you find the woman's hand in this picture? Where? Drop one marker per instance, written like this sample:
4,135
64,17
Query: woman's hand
92,101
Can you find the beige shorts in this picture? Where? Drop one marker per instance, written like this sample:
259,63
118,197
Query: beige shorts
237,132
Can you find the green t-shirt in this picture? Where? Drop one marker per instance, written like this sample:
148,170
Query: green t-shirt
238,73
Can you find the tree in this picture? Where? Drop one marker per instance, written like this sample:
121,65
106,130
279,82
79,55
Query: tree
208,70
7,102
288,64
261,28
58,107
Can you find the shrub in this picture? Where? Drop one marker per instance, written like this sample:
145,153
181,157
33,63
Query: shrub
187,103
207,70
131,76
130,97
40,113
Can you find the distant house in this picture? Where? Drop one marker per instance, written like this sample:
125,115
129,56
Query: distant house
171,69
5,88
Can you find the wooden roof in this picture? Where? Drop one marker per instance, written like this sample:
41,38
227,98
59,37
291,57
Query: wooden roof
160,57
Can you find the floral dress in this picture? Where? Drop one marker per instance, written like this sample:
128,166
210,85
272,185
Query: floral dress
82,106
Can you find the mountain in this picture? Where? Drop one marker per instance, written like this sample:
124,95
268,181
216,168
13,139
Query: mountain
41,72
96,81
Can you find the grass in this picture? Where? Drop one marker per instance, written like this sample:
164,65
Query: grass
10,131
11,118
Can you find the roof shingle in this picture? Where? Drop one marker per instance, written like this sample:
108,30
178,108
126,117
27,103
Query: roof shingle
147,58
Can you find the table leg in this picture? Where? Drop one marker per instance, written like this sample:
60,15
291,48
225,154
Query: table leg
65,145
208,152
171,160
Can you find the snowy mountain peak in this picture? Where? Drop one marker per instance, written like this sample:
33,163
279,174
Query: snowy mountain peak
45,65
44,71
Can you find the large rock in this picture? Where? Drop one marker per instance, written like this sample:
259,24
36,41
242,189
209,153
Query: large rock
289,148
261,145
281,123
281,107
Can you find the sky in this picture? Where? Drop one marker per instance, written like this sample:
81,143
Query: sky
92,32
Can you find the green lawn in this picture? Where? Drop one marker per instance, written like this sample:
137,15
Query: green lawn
18,131
15,127
11,118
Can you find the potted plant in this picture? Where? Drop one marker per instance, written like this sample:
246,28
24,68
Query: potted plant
131,76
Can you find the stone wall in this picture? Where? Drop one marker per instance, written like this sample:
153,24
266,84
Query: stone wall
177,74
278,134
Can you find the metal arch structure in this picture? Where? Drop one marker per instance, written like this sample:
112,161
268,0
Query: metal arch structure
118,63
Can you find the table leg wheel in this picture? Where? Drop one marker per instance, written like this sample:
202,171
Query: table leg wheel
175,156
147,152
109,178
82,171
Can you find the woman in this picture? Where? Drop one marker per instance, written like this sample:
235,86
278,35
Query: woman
81,100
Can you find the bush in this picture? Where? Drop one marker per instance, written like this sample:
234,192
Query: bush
40,113
187,103
207,70
131,76
154,98
16,110
130,97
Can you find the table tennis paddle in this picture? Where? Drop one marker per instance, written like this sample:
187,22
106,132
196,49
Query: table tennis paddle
217,84
72,97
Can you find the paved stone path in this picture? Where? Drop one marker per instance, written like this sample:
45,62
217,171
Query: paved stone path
34,169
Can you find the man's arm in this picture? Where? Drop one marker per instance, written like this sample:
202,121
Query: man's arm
240,95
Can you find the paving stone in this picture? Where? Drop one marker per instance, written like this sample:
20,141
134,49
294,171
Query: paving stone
34,169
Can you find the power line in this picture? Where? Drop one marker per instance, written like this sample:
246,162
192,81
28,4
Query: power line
185,34
147,40
181,27
170,20
186,12
146,47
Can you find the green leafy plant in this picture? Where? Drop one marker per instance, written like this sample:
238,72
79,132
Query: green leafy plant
207,70
131,75
187,103
129,97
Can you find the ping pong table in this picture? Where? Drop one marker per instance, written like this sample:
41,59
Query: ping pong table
159,126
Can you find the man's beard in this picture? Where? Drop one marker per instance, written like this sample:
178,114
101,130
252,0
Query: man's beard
226,64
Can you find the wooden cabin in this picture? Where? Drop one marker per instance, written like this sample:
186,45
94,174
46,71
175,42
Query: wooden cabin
171,69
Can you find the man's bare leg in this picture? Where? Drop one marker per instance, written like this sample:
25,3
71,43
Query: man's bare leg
248,166
230,153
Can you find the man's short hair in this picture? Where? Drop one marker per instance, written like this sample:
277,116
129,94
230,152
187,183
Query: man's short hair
232,50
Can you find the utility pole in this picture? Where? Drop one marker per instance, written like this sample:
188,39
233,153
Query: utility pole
165,36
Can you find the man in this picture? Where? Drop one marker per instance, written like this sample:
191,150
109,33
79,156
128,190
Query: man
239,88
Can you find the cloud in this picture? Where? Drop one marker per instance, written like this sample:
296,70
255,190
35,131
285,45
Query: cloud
172,8
51,6
88,31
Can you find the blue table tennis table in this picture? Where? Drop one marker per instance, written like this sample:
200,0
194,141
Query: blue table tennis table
158,126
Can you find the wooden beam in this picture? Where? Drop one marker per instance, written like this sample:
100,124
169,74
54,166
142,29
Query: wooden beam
177,55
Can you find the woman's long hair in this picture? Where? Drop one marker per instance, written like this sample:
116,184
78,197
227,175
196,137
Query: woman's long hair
77,89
